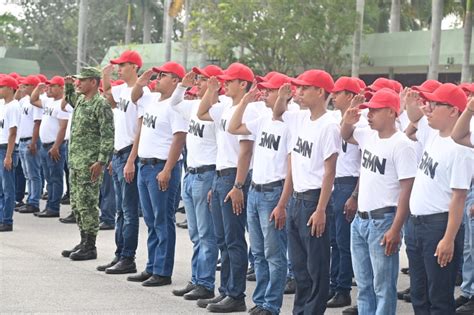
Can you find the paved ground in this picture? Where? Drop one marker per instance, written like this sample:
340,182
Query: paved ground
35,278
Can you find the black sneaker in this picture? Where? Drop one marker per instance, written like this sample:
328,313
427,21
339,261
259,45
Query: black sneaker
65,200
251,277
255,310
44,196
290,286
199,292
460,301
123,266
228,305
351,311
400,294
188,288
105,226
467,308
6,227
18,205
203,303
340,300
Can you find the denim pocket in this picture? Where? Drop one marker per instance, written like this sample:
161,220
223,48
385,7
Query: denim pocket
385,223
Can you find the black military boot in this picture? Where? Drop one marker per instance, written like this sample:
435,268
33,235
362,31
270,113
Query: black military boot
87,251
67,252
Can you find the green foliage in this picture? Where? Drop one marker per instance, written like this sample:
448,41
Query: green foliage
10,31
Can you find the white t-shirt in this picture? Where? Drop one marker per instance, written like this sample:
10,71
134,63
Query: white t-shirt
160,123
29,114
228,144
69,109
445,165
52,113
10,116
316,141
125,115
384,163
272,146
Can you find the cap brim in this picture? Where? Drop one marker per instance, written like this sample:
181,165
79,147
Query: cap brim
199,71
430,97
372,105
299,82
259,79
225,77
117,61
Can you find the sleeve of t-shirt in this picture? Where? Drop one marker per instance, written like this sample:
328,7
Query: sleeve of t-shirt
62,114
293,118
184,108
116,91
360,135
405,160
69,108
178,123
461,169
142,102
251,113
13,116
216,111
37,113
254,125
331,140
423,131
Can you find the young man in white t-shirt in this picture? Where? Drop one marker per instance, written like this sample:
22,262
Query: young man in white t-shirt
230,186
124,160
53,150
435,233
10,115
201,165
388,166
267,199
162,134
313,167
29,144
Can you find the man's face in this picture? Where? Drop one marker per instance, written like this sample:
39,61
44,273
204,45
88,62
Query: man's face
54,91
269,96
165,83
341,99
126,70
26,89
379,118
4,91
308,95
438,115
201,84
232,88
84,86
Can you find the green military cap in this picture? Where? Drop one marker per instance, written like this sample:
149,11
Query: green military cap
88,72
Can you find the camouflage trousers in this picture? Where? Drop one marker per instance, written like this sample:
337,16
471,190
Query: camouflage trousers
85,200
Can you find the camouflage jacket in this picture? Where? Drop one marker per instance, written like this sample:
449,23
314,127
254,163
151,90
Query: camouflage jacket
92,130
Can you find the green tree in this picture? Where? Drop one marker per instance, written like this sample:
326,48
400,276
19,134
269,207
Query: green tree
11,31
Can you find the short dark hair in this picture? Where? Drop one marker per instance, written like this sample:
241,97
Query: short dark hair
248,86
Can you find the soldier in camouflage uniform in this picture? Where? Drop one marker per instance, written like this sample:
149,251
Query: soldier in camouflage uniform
90,145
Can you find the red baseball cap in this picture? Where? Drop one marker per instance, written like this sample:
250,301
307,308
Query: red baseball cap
30,80
130,56
383,98
428,86
152,85
15,75
118,82
237,71
171,67
397,86
209,71
468,88
361,83
56,80
317,78
448,93
275,81
346,84
381,83
9,81
192,91
266,77
42,78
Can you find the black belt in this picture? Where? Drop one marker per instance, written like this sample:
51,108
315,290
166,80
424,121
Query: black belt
346,180
123,150
430,218
268,187
151,161
47,145
309,195
226,171
4,146
201,169
376,214
25,139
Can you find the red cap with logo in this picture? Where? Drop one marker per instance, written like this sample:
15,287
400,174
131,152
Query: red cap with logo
56,80
275,82
171,67
129,56
346,84
266,77
9,81
209,71
237,71
317,78
428,86
30,80
383,98
42,78
448,93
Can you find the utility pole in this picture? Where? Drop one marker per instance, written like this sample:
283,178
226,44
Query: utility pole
81,36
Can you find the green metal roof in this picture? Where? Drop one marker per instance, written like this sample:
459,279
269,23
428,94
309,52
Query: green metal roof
20,66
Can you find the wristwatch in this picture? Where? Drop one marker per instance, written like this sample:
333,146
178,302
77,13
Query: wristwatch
239,186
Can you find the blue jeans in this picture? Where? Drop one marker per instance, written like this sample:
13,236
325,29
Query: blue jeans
341,264
310,257
268,246
7,188
467,286
107,199
200,228
53,174
20,182
126,201
32,171
159,215
230,234
375,273
431,286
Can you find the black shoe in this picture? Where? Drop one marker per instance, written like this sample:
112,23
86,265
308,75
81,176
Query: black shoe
47,214
255,310
263,311
251,277
340,300
67,252
199,292
87,251
104,226
156,281
250,271
181,210
110,264
354,283
28,209
228,305
188,288
400,294
19,205
467,308
203,303
407,298
290,286
405,271
71,218
458,279
123,266
6,227
331,294
351,311
142,276
183,225
44,196
65,200
460,301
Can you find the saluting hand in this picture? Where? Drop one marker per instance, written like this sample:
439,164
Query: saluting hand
250,96
351,116
189,79
285,91
108,69
145,77
213,84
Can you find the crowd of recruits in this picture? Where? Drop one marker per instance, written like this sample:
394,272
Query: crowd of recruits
296,175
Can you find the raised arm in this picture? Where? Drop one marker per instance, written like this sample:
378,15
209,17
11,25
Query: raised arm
70,95
413,104
236,126
208,99
178,95
350,118
281,104
461,133
137,91
35,95
106,85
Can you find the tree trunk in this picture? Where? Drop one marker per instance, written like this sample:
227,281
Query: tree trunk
168,30
128,27
466,75
437,7
146,21
357,38
185,40
81,36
